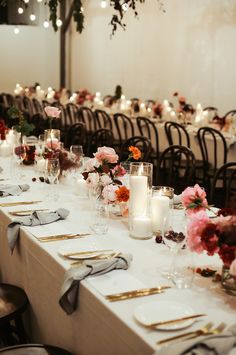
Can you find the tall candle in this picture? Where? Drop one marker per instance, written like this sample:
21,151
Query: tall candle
10,137
138,194
160,207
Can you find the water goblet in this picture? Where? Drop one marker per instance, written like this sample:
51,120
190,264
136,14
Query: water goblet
78,157
52,171
19,154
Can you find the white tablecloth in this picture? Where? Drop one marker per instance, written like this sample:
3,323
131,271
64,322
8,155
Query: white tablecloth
97,326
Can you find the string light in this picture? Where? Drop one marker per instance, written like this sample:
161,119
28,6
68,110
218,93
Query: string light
103,4
46,24
32,17
59,22
20,10
16,30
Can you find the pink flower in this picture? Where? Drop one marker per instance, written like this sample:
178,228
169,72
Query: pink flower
90,164
108,193
105,180
232,269
52,111
53,144
194,231
194,199
118,171
107,154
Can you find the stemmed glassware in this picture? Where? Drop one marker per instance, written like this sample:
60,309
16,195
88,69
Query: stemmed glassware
52,171
19,154
78,157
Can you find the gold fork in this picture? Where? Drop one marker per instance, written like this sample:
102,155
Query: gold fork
219,329
189,335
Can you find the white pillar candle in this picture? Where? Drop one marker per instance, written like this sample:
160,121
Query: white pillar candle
142,227
81,188
41,165
5,149
138,194
160,207
10,137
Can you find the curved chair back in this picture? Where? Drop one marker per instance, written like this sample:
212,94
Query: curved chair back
75,135
177,134
87,116
223,188
124,127
103,119
101,137
213,149
176,167
148,129
71,111
143,143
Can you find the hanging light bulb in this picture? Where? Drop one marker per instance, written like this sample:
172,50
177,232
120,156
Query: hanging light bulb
32,17
39,0
26,1
59,22
46,24
125,7
16,30
20,10
103,4
81,9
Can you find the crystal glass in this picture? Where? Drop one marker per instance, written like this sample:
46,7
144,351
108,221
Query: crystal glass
19,154
100,217
77,155
52,138
52,171
182,269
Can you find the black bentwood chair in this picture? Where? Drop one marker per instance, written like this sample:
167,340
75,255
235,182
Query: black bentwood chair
102,137
142,143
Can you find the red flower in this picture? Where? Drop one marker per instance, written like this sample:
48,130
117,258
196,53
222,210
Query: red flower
226,212
227,254
209,239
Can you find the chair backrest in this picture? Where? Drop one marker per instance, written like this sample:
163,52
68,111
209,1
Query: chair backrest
101,137
75,135
213,147
87,116
39,122
124,127
231,113
103,119
177,134
71,114
33,349
148,129
223,187
38,107
176,167
143,143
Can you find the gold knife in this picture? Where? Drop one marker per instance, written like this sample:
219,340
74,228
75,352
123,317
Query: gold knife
172,321
78,253
136,293
54,238
9,204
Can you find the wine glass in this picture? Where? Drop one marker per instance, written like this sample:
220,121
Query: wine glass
19,154
52,171
78,156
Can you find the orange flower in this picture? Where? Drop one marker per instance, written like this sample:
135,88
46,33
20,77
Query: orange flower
136,154
122,194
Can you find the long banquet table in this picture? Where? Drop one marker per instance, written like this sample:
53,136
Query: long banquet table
97,326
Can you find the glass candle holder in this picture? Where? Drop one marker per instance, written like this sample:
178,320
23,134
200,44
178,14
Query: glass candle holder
140,183
52,138
161,206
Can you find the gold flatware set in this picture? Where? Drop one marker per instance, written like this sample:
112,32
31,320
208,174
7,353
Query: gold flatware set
57,237
26,212
173,321
136,293
205,330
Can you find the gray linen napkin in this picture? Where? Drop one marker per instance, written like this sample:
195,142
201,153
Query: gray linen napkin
6,190
220,344
35,219
73,276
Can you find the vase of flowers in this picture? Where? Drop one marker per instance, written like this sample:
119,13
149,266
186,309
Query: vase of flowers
212,235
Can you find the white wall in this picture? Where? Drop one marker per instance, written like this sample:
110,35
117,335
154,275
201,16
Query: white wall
29,57
190,49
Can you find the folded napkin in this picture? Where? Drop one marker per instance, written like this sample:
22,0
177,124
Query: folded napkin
35,219
220,344
6,190
70,288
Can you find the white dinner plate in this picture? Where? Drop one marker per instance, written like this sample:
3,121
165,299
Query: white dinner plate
82,253
158,311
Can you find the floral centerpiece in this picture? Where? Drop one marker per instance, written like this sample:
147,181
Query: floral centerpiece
211,235
103,175
52,113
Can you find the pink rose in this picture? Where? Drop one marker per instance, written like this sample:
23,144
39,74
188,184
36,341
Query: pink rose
195,228
194,199
53,144
232,269
107,154
118,171
108,193
52,111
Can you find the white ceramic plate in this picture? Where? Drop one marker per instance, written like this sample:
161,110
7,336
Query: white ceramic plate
158,311
89,255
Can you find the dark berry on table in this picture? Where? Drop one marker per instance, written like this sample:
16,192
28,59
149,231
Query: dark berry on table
34,179
41,178
175,236
159,239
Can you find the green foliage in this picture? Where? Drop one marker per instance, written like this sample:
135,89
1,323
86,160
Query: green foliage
23,126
